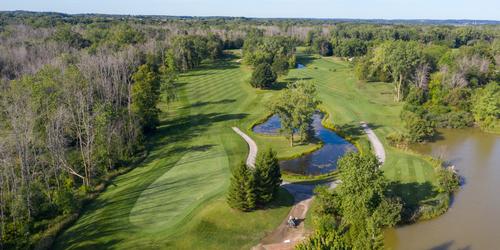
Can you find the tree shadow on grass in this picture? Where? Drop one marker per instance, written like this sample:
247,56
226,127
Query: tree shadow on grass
186,127
305,59
412,196
198,73
353,130
283,199
295,79
201,104
412,193
171,139
278,86
101,245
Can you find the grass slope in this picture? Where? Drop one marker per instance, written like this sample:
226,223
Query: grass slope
175,198
350,101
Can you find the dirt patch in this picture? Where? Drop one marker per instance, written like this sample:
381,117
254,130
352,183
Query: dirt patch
286,237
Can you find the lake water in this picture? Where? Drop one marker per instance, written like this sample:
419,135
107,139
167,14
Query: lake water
473,220
321,161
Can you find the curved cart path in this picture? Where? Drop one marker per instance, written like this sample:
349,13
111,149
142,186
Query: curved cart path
376,144
252,153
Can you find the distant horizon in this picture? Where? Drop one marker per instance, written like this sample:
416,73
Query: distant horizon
486,10
254,17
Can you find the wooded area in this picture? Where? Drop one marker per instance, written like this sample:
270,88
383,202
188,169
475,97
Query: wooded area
79,94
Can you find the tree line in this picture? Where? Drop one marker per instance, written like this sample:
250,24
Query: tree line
441,87
447,76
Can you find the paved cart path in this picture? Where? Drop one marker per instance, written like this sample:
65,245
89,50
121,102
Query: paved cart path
376,144
252,153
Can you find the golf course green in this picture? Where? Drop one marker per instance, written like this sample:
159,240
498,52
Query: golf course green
175,198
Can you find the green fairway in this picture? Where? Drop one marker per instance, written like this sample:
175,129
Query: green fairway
180,186
175,198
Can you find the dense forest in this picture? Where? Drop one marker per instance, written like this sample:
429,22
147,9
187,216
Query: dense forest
79,94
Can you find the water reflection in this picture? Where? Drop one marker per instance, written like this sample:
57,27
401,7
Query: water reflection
318,162
472,221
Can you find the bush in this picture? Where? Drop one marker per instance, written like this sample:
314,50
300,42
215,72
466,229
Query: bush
419,126
66,201
398,140
434,207
448,180
458,119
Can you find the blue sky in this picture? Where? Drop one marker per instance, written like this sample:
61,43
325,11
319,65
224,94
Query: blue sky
386,9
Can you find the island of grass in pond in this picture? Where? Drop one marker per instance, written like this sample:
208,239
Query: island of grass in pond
321,161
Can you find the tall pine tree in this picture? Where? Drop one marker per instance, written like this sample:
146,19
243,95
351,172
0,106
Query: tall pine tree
267,177
241,193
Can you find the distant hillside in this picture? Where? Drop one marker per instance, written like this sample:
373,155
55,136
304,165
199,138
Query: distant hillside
56,15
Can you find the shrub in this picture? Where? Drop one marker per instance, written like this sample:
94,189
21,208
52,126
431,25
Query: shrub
398,140
434,207
448,180
419,126
458,119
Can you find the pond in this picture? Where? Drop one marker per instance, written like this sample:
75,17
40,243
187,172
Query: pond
300,66
321,161
472,221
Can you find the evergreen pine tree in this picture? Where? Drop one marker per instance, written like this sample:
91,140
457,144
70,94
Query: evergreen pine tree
263,76
250,190
267,177
241,193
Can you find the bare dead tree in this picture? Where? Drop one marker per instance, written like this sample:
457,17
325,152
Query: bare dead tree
56,142
421,78
458,80
465,64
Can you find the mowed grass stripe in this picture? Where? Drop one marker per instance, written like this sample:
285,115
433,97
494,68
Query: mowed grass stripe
198,176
